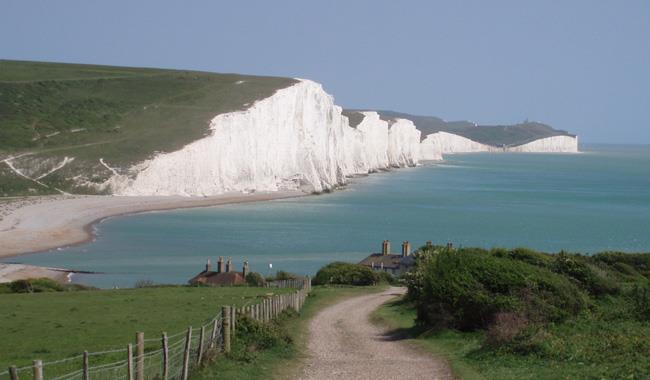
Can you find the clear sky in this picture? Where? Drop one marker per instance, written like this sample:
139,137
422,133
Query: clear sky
583,66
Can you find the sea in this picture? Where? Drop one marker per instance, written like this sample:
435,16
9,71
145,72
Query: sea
598,200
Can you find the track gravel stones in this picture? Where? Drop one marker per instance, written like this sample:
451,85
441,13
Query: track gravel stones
344,344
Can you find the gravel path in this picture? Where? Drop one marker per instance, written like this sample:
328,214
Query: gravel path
344,344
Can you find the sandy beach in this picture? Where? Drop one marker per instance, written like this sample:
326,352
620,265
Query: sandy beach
37,224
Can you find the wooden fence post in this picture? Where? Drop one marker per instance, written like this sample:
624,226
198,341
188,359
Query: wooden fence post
85,375
226,328
129,362
213,336
139,356
165,358
37,366
233,320
13,373
186,354
199,356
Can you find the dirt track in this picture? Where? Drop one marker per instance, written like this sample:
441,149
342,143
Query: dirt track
344,344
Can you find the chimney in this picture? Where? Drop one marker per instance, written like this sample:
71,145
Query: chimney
245,271
229,265
449,245
406,249
385,247
429,244
220,264
208,266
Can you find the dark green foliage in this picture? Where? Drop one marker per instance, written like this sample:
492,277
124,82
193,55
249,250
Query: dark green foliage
282,275
39,285
627,263
340,273
387,278
576,267
255,279
466,288
255,335
640,296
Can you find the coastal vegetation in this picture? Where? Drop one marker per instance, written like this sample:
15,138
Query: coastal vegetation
501,314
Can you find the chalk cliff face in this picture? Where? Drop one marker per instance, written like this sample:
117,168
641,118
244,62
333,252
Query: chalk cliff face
445,143
554,144
295,139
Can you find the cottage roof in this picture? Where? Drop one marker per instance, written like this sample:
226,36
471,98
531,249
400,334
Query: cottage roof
389,261
216,278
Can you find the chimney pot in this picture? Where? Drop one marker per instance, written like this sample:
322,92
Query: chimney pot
208,266
385,247
220,264
229,265
245,270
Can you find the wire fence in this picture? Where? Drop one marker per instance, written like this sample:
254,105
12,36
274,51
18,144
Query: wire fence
167,357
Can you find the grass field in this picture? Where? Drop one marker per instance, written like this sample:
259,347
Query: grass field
49,111
51,326
284,361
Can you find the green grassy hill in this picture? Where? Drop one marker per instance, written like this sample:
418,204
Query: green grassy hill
49,111
52,326
495,135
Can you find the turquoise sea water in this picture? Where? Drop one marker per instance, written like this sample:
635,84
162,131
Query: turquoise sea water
590,202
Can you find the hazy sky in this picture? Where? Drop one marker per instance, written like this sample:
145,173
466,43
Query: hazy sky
583,66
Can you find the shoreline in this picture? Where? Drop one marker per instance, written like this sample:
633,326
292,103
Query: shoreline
33,225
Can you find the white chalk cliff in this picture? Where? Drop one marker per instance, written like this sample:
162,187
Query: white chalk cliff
553,144
296,139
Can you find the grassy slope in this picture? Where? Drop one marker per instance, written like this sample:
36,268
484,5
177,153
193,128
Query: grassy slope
52,326
127,114
598,348
608,338
496,135
282,363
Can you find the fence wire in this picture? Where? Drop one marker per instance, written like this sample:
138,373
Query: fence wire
113,364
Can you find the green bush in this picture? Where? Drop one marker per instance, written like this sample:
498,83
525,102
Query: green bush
466,288
253,336
640,262
641,300
341,273
255,279
282,275
39,285
576,267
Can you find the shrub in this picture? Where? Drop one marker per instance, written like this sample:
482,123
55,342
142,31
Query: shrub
282,275
38,285
467,288
641,300
345,274
253,336
639,261
386,277
587,277
505,328
255,279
